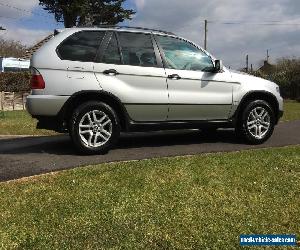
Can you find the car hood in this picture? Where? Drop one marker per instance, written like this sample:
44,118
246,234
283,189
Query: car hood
243,77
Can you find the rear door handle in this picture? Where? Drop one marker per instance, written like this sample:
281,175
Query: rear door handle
174,77
111,72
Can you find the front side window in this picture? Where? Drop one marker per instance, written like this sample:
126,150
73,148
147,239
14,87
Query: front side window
137,49
182,55
81,46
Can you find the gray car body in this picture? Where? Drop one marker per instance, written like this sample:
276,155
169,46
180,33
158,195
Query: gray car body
146,93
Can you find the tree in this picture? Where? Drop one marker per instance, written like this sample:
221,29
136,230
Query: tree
82,12
11,48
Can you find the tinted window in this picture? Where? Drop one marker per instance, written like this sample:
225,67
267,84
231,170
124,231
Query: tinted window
81,46
137,49
112,53
182,55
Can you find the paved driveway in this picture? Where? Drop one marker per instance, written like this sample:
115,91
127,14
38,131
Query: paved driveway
28,156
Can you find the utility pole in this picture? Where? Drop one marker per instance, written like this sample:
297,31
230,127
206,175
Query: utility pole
247,63
205,34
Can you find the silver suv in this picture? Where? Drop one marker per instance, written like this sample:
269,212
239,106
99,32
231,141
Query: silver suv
96,82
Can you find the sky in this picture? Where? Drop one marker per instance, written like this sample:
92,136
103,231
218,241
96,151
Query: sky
235,27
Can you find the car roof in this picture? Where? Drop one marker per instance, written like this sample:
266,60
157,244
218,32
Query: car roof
122,28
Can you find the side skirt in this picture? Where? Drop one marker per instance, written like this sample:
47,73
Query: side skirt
174,125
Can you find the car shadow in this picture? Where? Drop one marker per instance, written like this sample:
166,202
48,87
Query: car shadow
62,145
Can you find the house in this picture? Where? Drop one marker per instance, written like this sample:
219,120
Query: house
267,68
28,54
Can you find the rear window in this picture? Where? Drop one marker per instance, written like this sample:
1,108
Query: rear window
81,46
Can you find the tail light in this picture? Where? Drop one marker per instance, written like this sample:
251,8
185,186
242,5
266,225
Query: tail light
37,81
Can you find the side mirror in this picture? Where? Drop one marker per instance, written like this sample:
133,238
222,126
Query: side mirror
218,66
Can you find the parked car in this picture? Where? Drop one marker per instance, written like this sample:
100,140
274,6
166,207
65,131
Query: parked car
96,82
11,64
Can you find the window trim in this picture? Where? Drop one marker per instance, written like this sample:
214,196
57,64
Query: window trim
162,53
76,33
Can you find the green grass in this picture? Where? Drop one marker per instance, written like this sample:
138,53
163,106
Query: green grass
291,111
21,123
194,202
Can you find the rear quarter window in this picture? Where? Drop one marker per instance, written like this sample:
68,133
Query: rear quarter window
81,46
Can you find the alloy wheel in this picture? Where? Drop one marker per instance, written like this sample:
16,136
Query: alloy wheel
258,122
95,128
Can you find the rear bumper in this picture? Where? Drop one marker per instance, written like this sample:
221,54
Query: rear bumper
45,105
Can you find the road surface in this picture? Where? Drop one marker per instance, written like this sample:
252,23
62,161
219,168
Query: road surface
27,156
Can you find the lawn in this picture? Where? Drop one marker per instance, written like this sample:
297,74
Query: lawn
21,123
193,202
291,111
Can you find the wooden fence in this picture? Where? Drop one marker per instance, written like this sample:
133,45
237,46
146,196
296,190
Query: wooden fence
13,100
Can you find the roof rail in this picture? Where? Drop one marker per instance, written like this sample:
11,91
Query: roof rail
127,27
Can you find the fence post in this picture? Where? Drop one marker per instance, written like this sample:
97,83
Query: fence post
23,101
13,101
2,100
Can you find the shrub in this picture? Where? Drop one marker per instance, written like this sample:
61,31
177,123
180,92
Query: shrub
15,81
286,73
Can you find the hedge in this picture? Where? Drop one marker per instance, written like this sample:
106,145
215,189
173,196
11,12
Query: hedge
15,81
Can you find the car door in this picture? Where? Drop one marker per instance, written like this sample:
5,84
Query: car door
131,69
195,92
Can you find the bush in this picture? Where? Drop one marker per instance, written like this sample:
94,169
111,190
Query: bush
15,81
286,73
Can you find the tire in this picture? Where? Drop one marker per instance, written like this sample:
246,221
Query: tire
94,128
256,122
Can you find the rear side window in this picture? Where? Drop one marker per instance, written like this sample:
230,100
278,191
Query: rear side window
81,46
112,53
137,49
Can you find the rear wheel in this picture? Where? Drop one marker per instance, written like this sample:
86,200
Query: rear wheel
94,128
256,123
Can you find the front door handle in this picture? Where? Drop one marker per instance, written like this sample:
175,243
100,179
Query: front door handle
174,77
111,72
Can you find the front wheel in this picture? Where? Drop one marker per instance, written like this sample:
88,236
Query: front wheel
94,128
257,121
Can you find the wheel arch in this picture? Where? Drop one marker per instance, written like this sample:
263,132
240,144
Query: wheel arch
258,95
94,95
